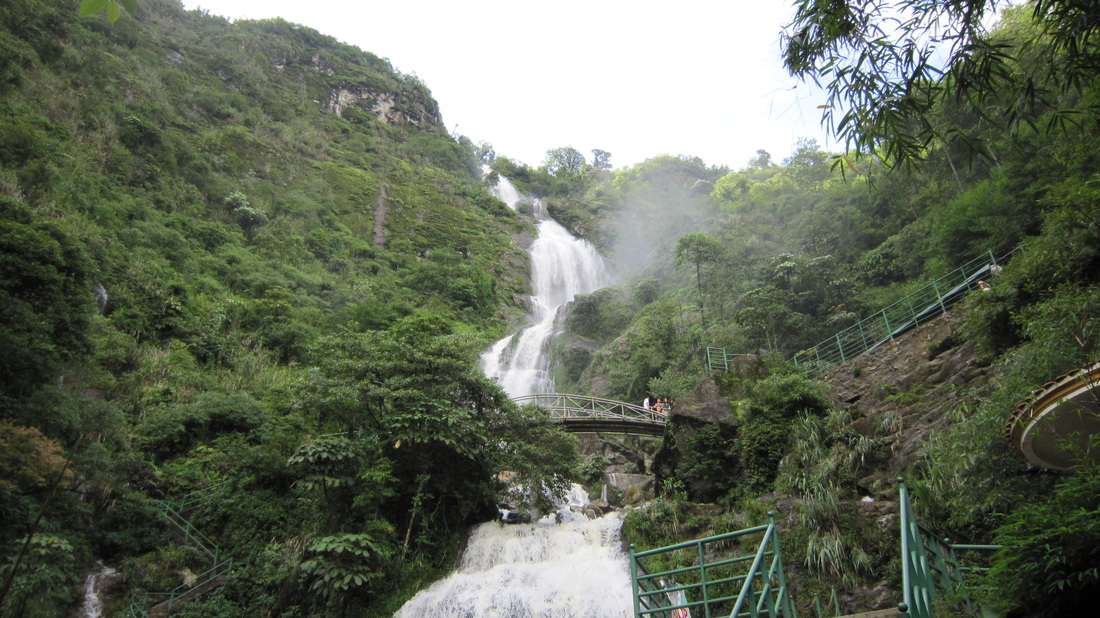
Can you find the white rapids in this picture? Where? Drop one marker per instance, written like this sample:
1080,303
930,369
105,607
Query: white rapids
92,607
572,569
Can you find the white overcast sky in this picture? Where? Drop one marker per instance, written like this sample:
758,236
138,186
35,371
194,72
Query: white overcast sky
636,78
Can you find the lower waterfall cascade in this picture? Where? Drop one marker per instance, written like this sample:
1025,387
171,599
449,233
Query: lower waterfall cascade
92,606
564,566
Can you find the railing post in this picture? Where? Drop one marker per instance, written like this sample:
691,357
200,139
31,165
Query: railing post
785,605
939,297
906,567
840,348
886,320
702,578
634,582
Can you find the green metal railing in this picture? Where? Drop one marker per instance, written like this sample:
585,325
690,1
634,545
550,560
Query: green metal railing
712,587
915,309
219,569
930,567
718,358
182,593
836,606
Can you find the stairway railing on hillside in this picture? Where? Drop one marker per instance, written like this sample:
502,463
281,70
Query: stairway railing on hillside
718,358
710,586
915,309
930,567
162,603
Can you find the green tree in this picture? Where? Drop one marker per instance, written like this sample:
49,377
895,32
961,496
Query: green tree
698,248
564,162
601,159
112,8
764,312
886,66
730,190
45,299
1054,545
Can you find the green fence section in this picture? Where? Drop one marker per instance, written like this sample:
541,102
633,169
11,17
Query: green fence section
750,585
715,585
930,566
162,603
915,309
718,358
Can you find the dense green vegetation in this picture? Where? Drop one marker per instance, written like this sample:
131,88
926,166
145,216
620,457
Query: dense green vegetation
247,259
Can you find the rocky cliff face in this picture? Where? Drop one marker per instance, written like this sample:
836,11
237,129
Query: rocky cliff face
907,387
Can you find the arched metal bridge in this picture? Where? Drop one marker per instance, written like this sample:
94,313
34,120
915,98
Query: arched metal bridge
582,414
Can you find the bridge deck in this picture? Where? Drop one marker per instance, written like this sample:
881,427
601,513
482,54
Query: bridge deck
583,414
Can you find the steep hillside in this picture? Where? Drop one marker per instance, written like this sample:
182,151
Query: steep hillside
832,457
247,259
909,389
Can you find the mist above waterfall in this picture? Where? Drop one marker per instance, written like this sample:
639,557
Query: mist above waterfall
666,197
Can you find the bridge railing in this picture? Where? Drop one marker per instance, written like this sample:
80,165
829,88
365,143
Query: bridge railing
565,407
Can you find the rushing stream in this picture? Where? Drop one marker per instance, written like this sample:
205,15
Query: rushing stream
566,565
93,585
572,569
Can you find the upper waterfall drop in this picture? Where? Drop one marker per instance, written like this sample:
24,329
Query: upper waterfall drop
562,266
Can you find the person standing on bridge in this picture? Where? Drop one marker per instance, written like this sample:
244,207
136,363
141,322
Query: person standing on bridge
645,404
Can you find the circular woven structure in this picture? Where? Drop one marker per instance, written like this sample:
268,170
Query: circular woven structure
1055,425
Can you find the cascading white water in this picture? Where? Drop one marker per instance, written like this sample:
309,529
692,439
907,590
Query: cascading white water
562,266
566,564
91,607
575,568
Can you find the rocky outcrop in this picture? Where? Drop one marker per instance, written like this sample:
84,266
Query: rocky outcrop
388,107
907,386
623,454
706,406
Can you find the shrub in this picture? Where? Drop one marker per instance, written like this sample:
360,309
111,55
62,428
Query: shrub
1054,546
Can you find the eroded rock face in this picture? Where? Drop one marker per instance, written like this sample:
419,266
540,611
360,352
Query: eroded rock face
912,381
625,455
387,107
705,406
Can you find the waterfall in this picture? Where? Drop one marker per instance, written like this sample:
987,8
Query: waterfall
562,266
566,565
93,584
